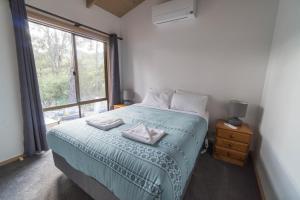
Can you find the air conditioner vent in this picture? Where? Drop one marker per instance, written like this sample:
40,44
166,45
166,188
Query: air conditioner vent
173,11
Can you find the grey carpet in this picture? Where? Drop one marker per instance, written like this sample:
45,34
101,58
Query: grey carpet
38,179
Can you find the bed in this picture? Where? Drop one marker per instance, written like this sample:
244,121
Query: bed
109,166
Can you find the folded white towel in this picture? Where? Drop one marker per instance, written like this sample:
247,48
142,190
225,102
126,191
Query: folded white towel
141,133
104,123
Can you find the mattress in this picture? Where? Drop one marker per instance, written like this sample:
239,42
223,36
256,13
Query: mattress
129,169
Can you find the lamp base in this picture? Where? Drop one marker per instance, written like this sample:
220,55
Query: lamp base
235,121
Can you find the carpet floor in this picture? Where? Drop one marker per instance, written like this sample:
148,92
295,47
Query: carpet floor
38,179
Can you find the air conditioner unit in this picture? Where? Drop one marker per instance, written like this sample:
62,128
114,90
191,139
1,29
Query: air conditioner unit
174,10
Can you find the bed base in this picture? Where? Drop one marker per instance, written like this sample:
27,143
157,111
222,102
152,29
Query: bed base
90,185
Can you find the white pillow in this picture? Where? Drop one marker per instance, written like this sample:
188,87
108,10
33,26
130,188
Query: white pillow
158,98
188,101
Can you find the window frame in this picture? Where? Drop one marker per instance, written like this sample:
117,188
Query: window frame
50,22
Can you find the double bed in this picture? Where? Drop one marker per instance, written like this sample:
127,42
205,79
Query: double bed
108,166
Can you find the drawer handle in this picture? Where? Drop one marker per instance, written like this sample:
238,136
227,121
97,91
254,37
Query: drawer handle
229,145
228,154
231,136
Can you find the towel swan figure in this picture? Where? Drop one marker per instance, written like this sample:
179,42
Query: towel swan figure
142,133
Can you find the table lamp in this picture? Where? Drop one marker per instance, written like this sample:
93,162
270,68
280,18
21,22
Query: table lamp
236,109
128,96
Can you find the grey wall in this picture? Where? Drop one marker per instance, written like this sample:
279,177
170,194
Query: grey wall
11,137
278,161
223,52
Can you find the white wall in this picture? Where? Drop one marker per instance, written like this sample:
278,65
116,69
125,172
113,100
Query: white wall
11,137
223,52
279,160
76,10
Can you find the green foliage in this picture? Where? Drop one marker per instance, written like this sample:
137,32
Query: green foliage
55,65
91,77
54,90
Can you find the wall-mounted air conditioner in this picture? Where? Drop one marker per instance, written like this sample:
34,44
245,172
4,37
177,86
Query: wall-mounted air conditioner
174,10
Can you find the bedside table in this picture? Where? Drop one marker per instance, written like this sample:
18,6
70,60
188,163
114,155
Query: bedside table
119,106
232,145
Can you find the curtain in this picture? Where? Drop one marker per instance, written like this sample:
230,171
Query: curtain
33,121
114,72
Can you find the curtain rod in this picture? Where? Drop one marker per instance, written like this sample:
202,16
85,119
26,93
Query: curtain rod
69,20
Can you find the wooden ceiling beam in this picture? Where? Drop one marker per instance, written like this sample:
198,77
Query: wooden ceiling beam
118,7
90,3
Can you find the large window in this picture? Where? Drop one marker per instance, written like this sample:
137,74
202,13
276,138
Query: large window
71,71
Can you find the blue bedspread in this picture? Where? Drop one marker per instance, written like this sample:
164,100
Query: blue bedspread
132,170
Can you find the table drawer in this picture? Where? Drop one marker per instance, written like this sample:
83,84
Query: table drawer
219,151
232,145
239,137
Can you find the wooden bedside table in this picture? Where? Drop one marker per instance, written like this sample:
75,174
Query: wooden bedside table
119,106
232,145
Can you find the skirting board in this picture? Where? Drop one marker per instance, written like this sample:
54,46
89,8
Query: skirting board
13,159
258,179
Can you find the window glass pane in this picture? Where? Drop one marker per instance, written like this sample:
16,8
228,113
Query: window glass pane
90,56
61,115
53,55
93,108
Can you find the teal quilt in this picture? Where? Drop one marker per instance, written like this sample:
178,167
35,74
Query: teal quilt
129,169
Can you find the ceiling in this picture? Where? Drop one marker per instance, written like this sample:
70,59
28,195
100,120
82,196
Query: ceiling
116,7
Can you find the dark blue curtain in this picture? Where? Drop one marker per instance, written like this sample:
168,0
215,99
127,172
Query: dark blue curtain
33,120
114,72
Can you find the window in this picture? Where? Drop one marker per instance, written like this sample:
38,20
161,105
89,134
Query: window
71,71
